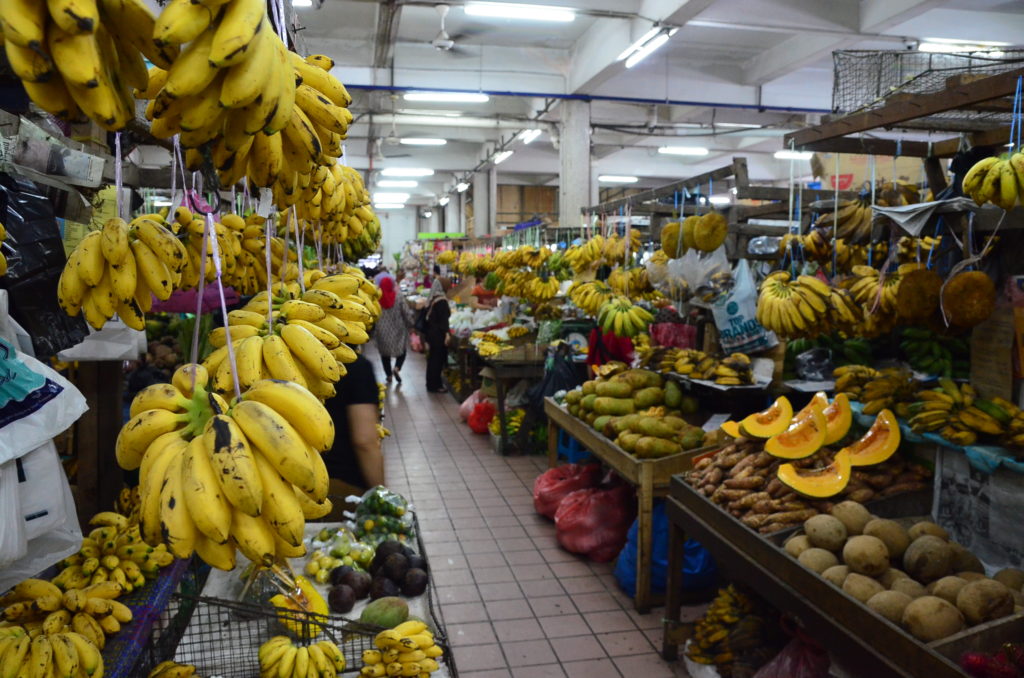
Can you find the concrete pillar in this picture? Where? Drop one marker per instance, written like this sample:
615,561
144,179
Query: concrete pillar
574,179
482,223
451,216
461,198
492,200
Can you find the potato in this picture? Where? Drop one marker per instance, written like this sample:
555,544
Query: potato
826,532
866,555
796,545
1011,578
984,600
909,587
947,588
861,587
889,577
890,604
926,527
928,558
853,515
931,618
891,533
818,559
836,575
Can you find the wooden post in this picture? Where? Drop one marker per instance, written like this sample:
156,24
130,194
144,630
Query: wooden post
99,477
553,432
645,541
673,591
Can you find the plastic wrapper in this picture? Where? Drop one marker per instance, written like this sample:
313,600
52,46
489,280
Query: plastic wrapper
814,365
595,522
382,501
697,267
480,419
735,316
656,273
676,335
35,260
552,486
763,244
466,408
799,659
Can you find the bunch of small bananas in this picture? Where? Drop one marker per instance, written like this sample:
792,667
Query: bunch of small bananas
216,476
518,331
590,296
961,416
513,422
281,658
3,237
40,607
447,257
877,296
851,222
1012,419
524,256
733,370
65,654
296,336
540,289
172,669
802,307
632,282
710,643
477,265
406,650
581,257
615,248
999,181
127,502
113,551
487,349
77,57
890,388
623,318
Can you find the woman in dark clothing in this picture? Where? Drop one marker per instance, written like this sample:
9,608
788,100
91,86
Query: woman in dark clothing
438,313
355,462
392,328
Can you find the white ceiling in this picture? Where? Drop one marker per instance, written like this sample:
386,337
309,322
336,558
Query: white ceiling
766,62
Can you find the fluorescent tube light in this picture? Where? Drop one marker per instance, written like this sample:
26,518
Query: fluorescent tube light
502,156
787,154
388,205
443,113
462,187
302,3
448,97
413,141
616,179
444,201
390,197
528,136
720,200
639,43
397,183
952,45
683,150
508,10
161,202
646,50
406,172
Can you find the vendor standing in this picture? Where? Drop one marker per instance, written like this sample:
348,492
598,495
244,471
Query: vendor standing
355,461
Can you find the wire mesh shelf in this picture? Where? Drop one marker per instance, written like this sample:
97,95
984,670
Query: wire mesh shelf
866,79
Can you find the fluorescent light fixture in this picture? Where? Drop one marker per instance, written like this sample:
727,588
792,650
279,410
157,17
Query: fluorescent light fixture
448,97
444,201
510,10
302,3
646,50
720,200
739,125
639,43
683,150
427,214
423,141
388,205
462,187
616,179
390,197
952,45
406,172
501,156
443,113
528,136
161,202
397,183
787,154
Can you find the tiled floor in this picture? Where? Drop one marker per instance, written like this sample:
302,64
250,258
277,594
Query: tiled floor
514,603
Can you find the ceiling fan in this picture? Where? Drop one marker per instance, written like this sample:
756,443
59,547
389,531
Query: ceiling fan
443,42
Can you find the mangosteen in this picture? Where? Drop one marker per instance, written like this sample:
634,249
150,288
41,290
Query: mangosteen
394,567
415,583
385,549
341,599
417,562
339,574
360,582
407,551
383,587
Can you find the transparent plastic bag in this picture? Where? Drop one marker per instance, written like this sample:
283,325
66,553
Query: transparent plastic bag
13,542
814,365
799,659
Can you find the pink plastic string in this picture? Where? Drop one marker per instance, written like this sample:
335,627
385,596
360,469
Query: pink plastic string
118,172
194,358
300,238
175,148
270,272
223,304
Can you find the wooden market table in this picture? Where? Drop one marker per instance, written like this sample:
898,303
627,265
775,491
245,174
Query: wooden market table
862,642
522,362
650,477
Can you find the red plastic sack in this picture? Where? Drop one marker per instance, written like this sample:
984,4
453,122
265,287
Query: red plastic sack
466,408
481,417
799,659
676,335
595,522
551,486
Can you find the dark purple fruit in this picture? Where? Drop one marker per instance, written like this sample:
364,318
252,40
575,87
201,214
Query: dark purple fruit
339,574
360,582
417,562
394,568
415,583
385,549
341,599
383,587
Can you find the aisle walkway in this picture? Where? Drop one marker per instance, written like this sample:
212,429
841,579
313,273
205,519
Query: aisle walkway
514,603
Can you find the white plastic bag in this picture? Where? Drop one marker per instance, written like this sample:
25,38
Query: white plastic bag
13,542
735,316
116,341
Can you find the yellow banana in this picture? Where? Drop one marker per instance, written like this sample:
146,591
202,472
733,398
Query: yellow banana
235,464
141,430
204,497
299,407
274,437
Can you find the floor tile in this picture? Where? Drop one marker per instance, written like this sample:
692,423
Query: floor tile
578,649
479,657
480,546
490,673
599,601
528,653
574,585
565,625
538,588
594,668
471,633
552,606
648,666
485,560
463,612
545,671
457,594
503,591
494,575
518,629
516,608
605,622
625,643
528,572
524,557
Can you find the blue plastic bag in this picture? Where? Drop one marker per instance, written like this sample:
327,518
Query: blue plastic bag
699,569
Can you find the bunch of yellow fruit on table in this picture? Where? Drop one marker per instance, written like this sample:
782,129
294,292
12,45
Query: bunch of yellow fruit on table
281,658
406,650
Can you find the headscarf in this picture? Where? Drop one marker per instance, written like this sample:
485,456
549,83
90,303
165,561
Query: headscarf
436,288
387,292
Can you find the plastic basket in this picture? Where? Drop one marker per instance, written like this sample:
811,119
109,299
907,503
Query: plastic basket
572,450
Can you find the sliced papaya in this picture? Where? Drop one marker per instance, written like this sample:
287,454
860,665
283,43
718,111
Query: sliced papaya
766,423
878,444
838,418
802,438
732,429
822,482
819,399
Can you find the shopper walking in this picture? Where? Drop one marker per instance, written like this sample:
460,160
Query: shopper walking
392,328
438,313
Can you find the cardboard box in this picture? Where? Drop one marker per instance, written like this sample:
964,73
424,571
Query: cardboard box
855,170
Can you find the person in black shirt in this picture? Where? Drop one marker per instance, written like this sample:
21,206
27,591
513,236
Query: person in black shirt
438,314
355,461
